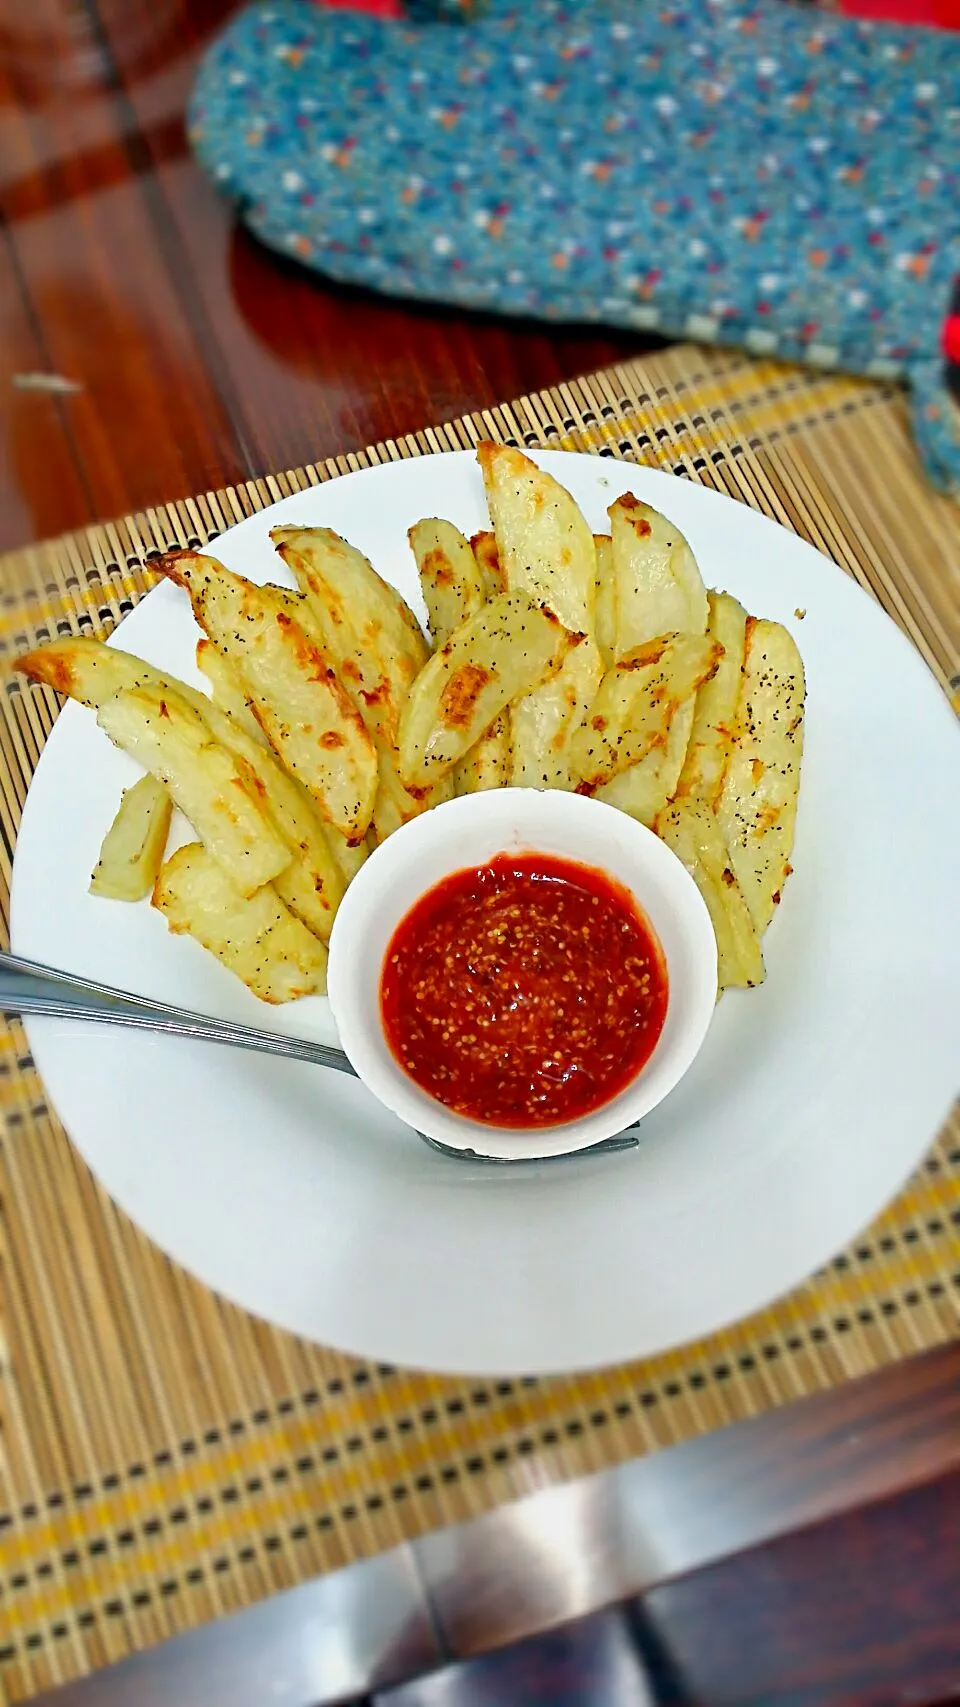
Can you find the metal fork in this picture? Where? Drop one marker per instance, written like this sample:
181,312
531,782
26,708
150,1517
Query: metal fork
27,987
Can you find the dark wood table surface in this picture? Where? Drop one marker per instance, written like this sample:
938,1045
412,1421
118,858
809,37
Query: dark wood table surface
811,1556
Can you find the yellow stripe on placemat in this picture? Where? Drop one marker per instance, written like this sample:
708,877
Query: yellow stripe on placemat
169,1458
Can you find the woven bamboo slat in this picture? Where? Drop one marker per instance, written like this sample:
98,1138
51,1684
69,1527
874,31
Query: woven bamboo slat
168,1458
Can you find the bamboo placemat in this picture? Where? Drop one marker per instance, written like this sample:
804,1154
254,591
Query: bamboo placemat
169,1458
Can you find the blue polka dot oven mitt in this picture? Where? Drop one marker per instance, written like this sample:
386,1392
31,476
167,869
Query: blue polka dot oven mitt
722,170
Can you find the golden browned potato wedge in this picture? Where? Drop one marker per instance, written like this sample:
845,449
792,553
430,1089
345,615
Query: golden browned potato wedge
484,546
714,715
255,937
349,859
645,789
376,646
92,672
487,764
316,876
605,607
226,689
507,647
757,805
641,791
307,716
453,591
677,747
371,636
544,545
349,588
654,574
312,885
690,828
543,725
450,578
637,702
134,846
313,882
395,804
159,729
547,551
659,589
85,669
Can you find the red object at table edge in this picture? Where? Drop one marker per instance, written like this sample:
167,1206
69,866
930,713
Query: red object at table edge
379,8
935,14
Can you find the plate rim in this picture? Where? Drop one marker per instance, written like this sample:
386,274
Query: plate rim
627,470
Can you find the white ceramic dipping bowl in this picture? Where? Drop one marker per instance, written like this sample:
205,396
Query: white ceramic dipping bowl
466,833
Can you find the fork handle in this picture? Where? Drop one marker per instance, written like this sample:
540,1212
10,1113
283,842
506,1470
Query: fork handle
27,987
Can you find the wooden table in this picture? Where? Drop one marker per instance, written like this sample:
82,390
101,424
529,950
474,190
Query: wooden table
201,358
185,357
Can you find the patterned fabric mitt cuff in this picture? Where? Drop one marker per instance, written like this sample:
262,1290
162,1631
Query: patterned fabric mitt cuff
935,396
936,424
450,11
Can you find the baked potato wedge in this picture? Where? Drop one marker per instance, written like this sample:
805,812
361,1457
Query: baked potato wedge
376,645
714,715
395,804
605,607
690,828
638,699
226,689
543,542
92,672
544,724
453,591
487,764
490,660
312,885
255,937
546,550
85,669
348,858
658,587
757,804
645,788
170,739
369,633
450,578
484,547
641,791
306,715
134,846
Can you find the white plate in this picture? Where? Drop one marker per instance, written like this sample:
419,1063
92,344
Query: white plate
291,1191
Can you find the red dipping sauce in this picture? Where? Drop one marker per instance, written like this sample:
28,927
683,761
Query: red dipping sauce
525,992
